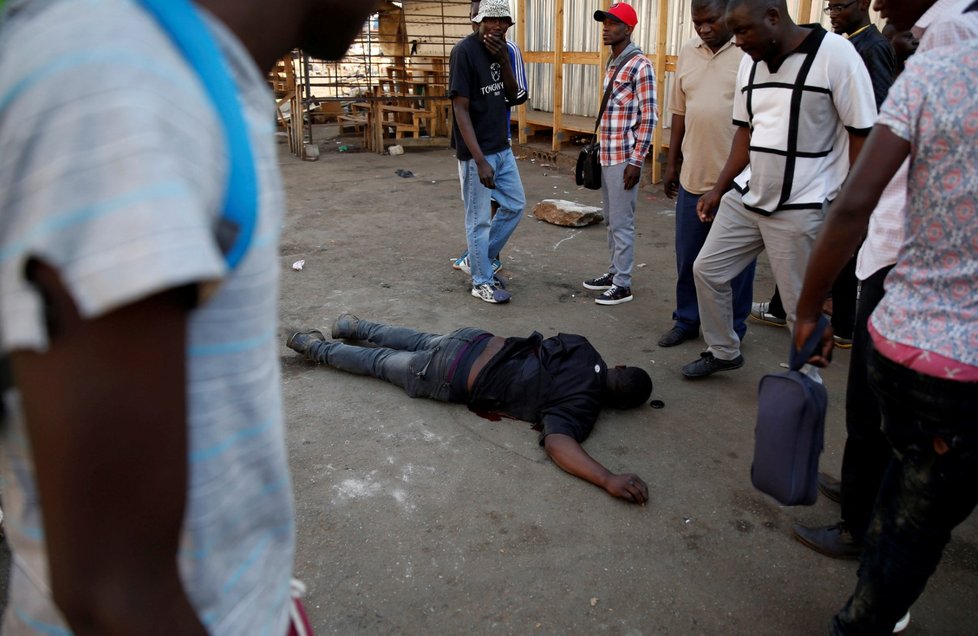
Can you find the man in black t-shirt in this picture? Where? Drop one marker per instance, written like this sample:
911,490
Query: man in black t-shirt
482,87
559,384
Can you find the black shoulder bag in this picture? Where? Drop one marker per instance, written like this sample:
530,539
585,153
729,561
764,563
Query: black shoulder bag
588,171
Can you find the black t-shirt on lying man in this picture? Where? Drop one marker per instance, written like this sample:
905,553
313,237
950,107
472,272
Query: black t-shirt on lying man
555,383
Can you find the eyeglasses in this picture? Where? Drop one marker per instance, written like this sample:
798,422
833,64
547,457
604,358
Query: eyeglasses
836,8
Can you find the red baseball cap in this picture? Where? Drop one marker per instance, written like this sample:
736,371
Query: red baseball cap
618,11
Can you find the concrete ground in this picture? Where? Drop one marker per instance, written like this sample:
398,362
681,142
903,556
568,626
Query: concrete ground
416,517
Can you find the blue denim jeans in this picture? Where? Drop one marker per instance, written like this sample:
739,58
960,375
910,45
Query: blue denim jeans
691,233
923,496
485,235
420,363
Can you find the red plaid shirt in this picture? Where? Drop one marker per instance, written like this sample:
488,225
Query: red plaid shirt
629,118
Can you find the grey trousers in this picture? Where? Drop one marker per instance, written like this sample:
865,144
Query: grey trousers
619,216
737,237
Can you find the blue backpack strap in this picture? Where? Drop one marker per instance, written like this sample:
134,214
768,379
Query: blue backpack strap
182,22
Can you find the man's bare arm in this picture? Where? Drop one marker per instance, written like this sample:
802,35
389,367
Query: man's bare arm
105,408
856,143
567,453
670,180
738,159
460,106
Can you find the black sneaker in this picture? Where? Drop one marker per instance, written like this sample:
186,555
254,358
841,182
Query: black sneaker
615,295
708,364
600,283
301,341
835,541
842,343
830,487
677,336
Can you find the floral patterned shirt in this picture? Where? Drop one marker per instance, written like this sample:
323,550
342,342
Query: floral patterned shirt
931,301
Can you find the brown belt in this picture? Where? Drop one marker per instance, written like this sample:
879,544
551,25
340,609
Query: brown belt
492,348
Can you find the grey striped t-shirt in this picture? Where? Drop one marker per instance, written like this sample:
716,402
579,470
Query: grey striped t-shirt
112,169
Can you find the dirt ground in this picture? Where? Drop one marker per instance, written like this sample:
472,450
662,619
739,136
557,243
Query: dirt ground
419,517
416,517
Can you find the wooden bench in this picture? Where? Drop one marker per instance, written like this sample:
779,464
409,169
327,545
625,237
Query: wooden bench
356,122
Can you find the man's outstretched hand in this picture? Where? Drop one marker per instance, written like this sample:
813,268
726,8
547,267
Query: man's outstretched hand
571,457
628,487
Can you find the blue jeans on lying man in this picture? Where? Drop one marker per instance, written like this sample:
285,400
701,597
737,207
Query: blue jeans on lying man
420,363
930,486
487,235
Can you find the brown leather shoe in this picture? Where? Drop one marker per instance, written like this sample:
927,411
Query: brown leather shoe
830,487
301,341
345,326
835,541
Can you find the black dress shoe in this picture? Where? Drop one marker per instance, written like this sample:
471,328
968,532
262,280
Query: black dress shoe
677,336
708,364
834,541
830,487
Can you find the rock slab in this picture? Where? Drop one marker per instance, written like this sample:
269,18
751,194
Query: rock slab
567,213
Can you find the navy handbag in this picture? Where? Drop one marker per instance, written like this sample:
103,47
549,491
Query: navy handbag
790,429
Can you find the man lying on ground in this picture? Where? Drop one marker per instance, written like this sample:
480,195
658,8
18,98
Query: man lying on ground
559,384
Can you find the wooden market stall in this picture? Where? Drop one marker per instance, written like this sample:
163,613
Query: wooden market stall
393,84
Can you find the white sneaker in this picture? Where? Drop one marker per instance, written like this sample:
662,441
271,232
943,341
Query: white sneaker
462,263
761,313
902,623
491,293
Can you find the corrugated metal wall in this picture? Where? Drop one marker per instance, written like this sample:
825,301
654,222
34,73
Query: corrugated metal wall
583,33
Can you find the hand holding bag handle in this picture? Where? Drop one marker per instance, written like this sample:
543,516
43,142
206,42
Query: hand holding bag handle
797,358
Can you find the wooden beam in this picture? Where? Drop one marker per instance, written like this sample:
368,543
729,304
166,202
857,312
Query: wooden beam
521,42
804,11
662,15
558,72
604,52
569,57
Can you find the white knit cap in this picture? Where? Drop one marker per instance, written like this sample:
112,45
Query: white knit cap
493,9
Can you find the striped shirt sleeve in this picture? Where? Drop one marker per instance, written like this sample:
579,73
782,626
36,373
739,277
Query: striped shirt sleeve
519,70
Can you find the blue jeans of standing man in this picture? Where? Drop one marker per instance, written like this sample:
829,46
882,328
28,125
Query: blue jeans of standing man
619,216
486,235
420,363
691,233
925,493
